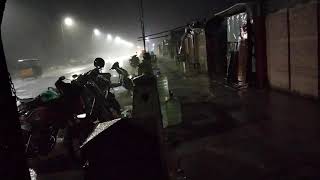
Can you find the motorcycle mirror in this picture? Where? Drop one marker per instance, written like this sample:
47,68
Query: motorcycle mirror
82,116
115,65
74,76
62,78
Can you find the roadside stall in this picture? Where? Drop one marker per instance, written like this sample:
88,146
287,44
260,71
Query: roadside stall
232,45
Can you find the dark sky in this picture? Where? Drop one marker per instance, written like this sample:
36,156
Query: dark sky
122,15
38,21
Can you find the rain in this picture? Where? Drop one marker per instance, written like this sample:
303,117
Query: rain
159,89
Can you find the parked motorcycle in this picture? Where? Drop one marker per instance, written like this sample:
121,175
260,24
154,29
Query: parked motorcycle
41,120
100,102
74,107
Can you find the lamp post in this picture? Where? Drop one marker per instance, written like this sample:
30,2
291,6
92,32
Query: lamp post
147,42
96,32
142,25
67,22
109,37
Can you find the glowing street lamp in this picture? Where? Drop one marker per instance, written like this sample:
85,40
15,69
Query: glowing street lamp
109,37
117,39
68,21
96,32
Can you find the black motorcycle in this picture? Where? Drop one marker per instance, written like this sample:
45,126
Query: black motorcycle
42,120
100,102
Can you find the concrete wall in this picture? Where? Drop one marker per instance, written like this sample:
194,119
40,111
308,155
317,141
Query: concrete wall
292,49
304,49
271,6
277,50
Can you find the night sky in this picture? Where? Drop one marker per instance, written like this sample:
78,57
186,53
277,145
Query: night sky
41,19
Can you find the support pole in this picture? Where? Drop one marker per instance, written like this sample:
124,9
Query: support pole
142,25
12,157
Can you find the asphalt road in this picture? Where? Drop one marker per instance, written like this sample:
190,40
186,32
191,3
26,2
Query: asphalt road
31,87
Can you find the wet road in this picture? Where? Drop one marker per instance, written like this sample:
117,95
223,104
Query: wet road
242,133
31,87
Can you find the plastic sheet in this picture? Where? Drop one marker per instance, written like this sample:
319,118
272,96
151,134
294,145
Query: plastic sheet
235,23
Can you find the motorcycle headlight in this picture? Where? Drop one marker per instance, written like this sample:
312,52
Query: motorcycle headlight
82,116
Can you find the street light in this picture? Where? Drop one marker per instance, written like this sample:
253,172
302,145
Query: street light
96,32
109,37
153,45
68,21
117,39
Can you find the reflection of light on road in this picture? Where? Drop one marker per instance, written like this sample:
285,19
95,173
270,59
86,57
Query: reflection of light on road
76,70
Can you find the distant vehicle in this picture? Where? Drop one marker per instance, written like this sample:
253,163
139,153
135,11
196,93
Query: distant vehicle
29,68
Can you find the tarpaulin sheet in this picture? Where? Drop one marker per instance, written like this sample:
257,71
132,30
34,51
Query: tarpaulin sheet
235,23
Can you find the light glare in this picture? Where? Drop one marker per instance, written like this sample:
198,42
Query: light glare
109,37
68,21
96,32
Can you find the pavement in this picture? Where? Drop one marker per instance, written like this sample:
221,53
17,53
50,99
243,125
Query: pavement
230,133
